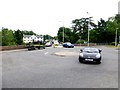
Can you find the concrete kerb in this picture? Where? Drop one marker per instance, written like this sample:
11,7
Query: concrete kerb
66,53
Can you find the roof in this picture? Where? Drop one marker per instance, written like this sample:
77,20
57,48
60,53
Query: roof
27,36
38,36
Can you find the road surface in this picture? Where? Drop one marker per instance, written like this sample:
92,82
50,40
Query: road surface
45,69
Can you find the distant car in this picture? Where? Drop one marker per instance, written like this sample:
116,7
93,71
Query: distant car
68,45
90,54
48,44
56,43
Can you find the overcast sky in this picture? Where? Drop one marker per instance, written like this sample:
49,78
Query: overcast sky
46,16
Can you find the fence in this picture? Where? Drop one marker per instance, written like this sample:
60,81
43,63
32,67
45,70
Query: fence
91,44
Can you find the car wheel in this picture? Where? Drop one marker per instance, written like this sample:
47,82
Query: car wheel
80,60
99,62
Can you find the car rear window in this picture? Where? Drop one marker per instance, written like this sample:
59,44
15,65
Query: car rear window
90,50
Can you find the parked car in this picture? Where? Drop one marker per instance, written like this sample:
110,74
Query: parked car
68,45
48,44
56,43
90,54
35,45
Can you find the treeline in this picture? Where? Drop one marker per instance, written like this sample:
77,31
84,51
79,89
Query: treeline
10,37
100,32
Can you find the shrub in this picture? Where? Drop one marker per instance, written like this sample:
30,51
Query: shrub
112,43
80,42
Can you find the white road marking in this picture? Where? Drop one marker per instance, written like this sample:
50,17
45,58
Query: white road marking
46,53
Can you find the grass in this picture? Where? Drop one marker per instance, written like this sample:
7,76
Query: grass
111,46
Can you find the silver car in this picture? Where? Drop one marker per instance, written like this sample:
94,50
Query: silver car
90,54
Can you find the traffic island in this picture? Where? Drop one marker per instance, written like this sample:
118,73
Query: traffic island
66,53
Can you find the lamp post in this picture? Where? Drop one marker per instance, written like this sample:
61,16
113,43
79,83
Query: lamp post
88,31
63,30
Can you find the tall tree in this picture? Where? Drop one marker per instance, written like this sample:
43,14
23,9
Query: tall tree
69,35
25,32
104,32
18,35
7,37
101,31
0,38
47,37
80,26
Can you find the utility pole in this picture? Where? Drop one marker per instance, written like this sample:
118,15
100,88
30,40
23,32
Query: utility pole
116,38
63,32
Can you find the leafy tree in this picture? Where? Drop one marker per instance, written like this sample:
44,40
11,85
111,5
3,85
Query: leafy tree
80,26
47,37
18,35
25,32
117,18
55,37
0,38
104,32
60,34
101,31
7,37
69,35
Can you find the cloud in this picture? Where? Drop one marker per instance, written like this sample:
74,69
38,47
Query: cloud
43,16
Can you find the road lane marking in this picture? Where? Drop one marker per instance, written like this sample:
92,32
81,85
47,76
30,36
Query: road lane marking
46,53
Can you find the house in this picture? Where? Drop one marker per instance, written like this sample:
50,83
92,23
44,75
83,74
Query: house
31,38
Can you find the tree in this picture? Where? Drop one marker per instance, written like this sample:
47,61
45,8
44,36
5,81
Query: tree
80,26
101,31
69,35
25,32
47,37
55,37
104,32
60,34
18,35
0,38
7,37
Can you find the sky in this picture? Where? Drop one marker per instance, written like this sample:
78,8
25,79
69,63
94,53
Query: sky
46,16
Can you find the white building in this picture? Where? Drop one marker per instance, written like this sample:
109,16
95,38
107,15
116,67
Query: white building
31,38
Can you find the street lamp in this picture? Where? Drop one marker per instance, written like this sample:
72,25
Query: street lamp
88,30
89,19
63,30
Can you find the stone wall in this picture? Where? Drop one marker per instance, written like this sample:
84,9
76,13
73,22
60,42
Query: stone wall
2,48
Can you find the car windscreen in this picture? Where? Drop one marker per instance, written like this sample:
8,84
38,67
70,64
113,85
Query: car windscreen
90,50
68,43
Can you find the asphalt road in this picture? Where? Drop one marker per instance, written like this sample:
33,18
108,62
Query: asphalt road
44,69
0,70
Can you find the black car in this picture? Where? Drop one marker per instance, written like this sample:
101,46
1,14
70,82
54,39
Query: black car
68,45
90,54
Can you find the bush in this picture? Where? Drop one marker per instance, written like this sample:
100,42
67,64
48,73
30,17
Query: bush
80,42
112,43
